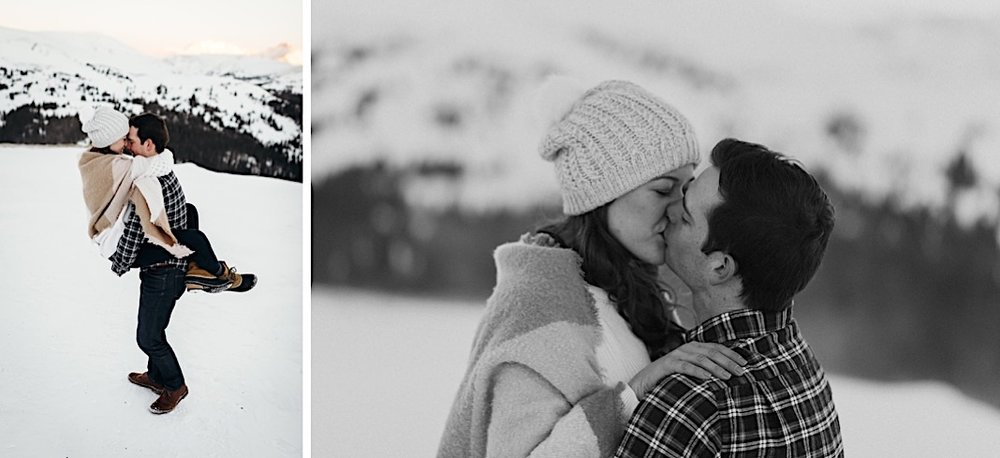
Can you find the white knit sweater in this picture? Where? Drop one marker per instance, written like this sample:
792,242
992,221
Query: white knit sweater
620,354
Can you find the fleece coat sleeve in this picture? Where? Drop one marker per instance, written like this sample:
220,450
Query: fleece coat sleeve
110,183
531,418
106,185
533,386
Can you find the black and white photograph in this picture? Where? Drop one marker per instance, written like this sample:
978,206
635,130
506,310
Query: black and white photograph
655,228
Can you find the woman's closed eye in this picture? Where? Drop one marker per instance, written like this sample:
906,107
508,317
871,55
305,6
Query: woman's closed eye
669,192
665,190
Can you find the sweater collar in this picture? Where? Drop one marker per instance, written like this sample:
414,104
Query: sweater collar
739,324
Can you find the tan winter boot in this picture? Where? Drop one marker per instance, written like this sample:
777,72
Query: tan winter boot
240,282
231,275
198,279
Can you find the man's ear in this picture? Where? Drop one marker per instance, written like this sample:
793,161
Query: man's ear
722,267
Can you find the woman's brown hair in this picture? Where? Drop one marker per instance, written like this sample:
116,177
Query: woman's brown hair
105,150
630,283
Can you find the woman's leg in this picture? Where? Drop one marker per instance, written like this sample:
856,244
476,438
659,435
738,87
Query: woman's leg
203,254
192,215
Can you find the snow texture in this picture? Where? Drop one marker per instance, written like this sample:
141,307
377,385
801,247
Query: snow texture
68,72
67,323
397,363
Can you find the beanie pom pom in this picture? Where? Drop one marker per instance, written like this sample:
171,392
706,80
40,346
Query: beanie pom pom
555,98
85,113
103,126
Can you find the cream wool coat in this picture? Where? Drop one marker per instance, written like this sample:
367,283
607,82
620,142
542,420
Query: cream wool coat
109,183
539,333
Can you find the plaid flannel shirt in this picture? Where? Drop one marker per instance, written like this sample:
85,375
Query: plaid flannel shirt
133,236
782,406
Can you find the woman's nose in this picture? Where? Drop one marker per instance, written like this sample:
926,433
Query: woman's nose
671,213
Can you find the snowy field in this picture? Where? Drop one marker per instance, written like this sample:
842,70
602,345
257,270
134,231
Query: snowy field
385,369
67,323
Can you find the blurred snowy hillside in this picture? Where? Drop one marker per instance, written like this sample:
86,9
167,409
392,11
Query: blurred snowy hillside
882,103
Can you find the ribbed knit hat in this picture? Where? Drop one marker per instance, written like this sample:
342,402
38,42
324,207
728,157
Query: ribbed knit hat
106,127
611,140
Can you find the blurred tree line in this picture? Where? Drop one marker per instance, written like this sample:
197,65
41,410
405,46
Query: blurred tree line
191,138
901,294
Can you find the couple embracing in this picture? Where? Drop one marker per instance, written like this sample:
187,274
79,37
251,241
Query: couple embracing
140,218
580,352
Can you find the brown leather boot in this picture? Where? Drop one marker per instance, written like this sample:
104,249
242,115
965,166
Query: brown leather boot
168,400
143,380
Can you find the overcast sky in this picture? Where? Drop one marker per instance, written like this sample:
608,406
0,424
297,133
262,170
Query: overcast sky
853,9
168,27
835,10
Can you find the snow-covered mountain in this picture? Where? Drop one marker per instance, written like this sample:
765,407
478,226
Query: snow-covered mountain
47,79
883,104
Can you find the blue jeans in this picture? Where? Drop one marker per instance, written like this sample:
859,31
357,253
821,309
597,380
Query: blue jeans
159,289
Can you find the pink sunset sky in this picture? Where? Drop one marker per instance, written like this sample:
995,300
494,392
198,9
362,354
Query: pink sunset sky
166,28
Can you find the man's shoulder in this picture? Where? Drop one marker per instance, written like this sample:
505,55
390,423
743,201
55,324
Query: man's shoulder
170,183
782,358
701,395
799,382
169,177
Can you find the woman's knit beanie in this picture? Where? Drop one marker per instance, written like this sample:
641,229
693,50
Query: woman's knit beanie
610,140
106,127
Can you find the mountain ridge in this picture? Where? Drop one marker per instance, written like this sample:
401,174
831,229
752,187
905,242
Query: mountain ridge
228,113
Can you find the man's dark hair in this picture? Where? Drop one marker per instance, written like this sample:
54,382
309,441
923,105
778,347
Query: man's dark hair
151,127
774,220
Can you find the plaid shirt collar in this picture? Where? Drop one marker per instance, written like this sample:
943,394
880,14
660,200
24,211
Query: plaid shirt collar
781,407
738,325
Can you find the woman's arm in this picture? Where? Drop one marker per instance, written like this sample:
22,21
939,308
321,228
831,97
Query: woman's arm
530,417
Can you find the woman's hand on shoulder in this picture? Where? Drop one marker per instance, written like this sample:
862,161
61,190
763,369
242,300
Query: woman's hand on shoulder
697,359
